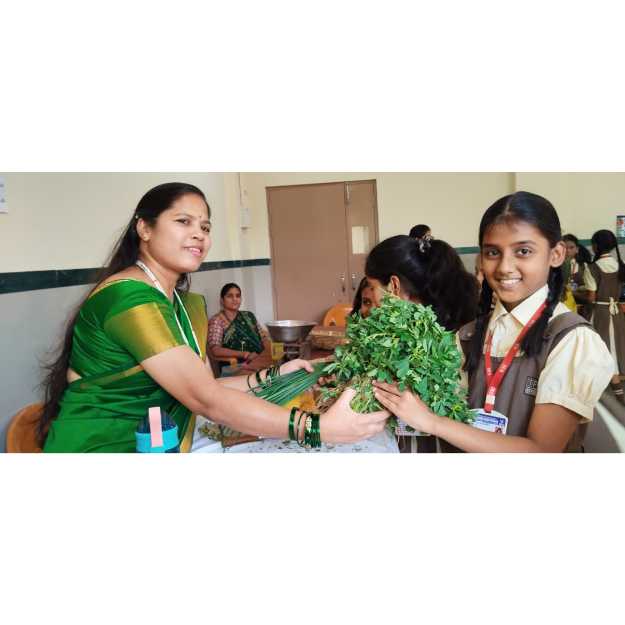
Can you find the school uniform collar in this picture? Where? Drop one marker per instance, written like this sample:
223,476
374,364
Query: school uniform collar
524,311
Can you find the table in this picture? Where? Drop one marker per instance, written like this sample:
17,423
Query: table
383,443
264,361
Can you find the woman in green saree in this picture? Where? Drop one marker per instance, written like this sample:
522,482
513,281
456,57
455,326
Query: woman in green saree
234,333
138,341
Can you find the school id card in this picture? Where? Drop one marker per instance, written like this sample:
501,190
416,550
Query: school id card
489,421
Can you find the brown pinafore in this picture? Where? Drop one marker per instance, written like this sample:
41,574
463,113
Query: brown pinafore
517,394
609,286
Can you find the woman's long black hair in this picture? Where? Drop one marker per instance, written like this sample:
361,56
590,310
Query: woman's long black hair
430,271
604,241
583,256
124,255
540,213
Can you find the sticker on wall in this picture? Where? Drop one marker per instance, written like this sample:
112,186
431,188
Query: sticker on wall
4,208
620,226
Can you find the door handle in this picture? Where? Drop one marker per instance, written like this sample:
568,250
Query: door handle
343,282
353,282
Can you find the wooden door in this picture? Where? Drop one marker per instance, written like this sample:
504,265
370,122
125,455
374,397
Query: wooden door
317,257
362,228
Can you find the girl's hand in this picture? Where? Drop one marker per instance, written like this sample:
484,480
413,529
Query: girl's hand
340,424
407,406
295,365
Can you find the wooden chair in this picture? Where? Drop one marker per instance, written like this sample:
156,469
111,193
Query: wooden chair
337,315
22,432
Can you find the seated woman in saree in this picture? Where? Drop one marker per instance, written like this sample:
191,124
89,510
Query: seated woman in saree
138,341
235,333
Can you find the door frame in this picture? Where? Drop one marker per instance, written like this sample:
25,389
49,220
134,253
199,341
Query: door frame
348,241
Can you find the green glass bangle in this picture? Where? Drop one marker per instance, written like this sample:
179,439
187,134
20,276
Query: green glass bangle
315,440
316,431
308,431
292,423
299,421
248,381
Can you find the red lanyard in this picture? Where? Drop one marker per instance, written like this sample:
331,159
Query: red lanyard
493,382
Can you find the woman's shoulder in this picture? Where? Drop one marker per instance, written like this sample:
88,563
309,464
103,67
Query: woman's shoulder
124,287
249,314
116,296
217,318
466,332
193,298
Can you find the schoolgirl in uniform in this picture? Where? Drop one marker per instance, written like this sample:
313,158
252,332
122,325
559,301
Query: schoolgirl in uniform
535,370
578,258
603,280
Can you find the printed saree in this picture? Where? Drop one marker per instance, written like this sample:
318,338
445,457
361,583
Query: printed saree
119,326
242,334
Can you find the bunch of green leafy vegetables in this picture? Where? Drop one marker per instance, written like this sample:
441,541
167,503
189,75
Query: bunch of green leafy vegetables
400,342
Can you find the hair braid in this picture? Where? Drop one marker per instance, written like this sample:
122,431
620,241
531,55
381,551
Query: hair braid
532,342
481,323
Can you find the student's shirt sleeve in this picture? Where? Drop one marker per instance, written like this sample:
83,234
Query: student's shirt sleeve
577,371
589,281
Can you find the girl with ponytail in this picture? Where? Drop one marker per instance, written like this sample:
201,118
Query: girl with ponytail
535,370
425,271
604,279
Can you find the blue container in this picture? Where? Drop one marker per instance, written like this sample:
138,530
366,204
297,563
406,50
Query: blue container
171,442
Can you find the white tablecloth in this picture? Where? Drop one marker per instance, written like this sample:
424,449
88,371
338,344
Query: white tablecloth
383,443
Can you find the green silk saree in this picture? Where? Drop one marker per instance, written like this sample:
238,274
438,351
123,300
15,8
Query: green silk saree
120,325
242,334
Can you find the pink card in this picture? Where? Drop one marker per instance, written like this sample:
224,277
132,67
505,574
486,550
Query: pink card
156,428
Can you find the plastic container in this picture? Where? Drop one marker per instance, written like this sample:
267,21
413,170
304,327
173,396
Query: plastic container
148,440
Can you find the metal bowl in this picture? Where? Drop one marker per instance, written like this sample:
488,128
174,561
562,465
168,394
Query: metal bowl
289,331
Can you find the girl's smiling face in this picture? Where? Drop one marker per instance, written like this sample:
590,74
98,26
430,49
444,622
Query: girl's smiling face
516,259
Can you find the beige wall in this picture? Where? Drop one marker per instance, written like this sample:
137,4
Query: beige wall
71,220
451,203
585,202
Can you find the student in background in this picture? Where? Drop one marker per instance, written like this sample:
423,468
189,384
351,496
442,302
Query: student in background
534,368
419,231
578,258
362,300
604,279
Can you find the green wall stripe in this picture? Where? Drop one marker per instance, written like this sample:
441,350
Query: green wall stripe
57,278
19,281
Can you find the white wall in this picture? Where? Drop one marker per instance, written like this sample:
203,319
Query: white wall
71,220
585,202
451,203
